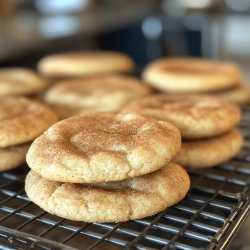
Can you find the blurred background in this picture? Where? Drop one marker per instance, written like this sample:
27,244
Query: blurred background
144,29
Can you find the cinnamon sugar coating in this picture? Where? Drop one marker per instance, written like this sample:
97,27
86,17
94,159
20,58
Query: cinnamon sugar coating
133,198
22,120
197,116
98,147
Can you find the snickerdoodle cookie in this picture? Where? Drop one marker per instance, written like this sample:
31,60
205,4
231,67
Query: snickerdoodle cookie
12,157
209,152
109,93
133,198
74,64
191,75
22,120
197,116
20,81
99,147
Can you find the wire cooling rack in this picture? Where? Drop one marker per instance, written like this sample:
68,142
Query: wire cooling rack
208,218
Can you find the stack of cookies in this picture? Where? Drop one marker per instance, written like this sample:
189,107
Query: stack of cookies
190,75
99,166
103,167
207,126
21,121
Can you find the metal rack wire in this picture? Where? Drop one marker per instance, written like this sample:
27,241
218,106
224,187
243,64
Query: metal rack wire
208,218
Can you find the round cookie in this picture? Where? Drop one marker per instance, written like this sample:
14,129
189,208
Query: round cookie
209,152
239,95
130,199
191,75
20,81
22,120
12,157
196,116
109,93
74,64
98,147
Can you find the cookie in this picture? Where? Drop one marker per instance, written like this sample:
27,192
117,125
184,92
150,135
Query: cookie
239,95
209,152
22,120
196,116
13,157
99,147
20,81
191,75
125,200
74,64
109,93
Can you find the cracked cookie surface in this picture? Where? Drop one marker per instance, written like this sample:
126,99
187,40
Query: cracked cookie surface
98,147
